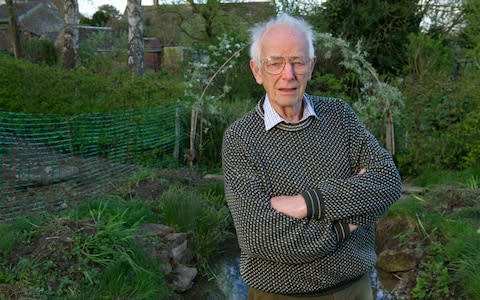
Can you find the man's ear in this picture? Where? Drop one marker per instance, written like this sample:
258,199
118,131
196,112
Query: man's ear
312,66
256,71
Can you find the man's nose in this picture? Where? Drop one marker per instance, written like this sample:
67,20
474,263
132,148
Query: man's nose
288,71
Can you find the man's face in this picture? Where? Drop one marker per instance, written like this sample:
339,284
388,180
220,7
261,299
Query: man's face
285,89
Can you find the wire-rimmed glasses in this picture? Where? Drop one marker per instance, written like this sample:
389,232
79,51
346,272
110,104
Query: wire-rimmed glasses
274,65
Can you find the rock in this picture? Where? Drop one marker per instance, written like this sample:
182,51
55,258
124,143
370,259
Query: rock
183,279
214,177
179,252
40,174
397,261
391,230
162,242
159,229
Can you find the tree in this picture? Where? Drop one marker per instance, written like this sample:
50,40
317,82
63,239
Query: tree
382,26
377,102
200,23
293,7
135,37
110,11
13,28
472,30
442,17
105,15
70,34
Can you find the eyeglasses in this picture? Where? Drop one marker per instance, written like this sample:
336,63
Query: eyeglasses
274,65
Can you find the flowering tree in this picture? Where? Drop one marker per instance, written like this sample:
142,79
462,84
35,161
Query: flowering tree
208,65
378,100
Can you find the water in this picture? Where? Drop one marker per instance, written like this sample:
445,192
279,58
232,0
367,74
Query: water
230,282
232,287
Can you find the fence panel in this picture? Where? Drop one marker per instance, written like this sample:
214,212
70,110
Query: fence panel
51,162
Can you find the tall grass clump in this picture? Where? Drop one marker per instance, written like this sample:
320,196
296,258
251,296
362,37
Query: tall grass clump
201,214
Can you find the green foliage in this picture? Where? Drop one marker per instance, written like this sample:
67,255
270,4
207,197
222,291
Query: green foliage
41,51
439,124
434,279
373,99
471,36
449,217
105,15
435,176
371,21
42,89
212,74
188,211
214,121
104,52
14,233
89,253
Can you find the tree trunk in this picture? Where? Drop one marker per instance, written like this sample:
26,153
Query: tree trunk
135,37
390,135
13,28
70,34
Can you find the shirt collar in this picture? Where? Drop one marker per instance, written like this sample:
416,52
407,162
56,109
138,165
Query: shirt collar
272,118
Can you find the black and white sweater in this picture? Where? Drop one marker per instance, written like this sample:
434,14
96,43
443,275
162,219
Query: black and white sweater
320,159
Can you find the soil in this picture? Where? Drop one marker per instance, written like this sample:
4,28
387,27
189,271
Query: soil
52,243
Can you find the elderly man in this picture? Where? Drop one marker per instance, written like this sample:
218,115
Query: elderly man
305,181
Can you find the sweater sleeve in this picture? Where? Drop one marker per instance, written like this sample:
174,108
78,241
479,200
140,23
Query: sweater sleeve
360,199
261,231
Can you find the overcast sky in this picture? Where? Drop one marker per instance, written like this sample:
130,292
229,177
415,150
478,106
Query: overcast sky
89,7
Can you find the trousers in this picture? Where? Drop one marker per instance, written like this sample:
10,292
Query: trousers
360,290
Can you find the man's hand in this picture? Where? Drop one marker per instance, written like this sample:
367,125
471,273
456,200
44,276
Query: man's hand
362,171
293,206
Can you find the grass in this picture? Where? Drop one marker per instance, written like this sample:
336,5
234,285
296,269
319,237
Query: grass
468,178
449,216
204,214
92,251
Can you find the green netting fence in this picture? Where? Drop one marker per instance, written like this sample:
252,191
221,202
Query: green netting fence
51,162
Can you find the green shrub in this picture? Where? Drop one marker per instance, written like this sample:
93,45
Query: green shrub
188,211
33,88
41,51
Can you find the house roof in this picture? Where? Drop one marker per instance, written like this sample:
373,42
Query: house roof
37,17
20,9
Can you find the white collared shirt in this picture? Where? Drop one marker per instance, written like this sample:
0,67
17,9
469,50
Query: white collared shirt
272,118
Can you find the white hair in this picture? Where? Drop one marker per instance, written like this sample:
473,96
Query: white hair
257,32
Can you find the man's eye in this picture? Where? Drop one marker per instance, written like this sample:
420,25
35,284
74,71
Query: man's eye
299,63
275,64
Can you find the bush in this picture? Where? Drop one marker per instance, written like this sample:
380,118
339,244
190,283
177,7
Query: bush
188,211
28,87
41,51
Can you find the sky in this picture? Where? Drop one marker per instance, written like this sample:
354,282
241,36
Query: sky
89,7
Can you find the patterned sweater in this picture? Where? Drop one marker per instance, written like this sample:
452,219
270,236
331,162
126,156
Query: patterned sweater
320,159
